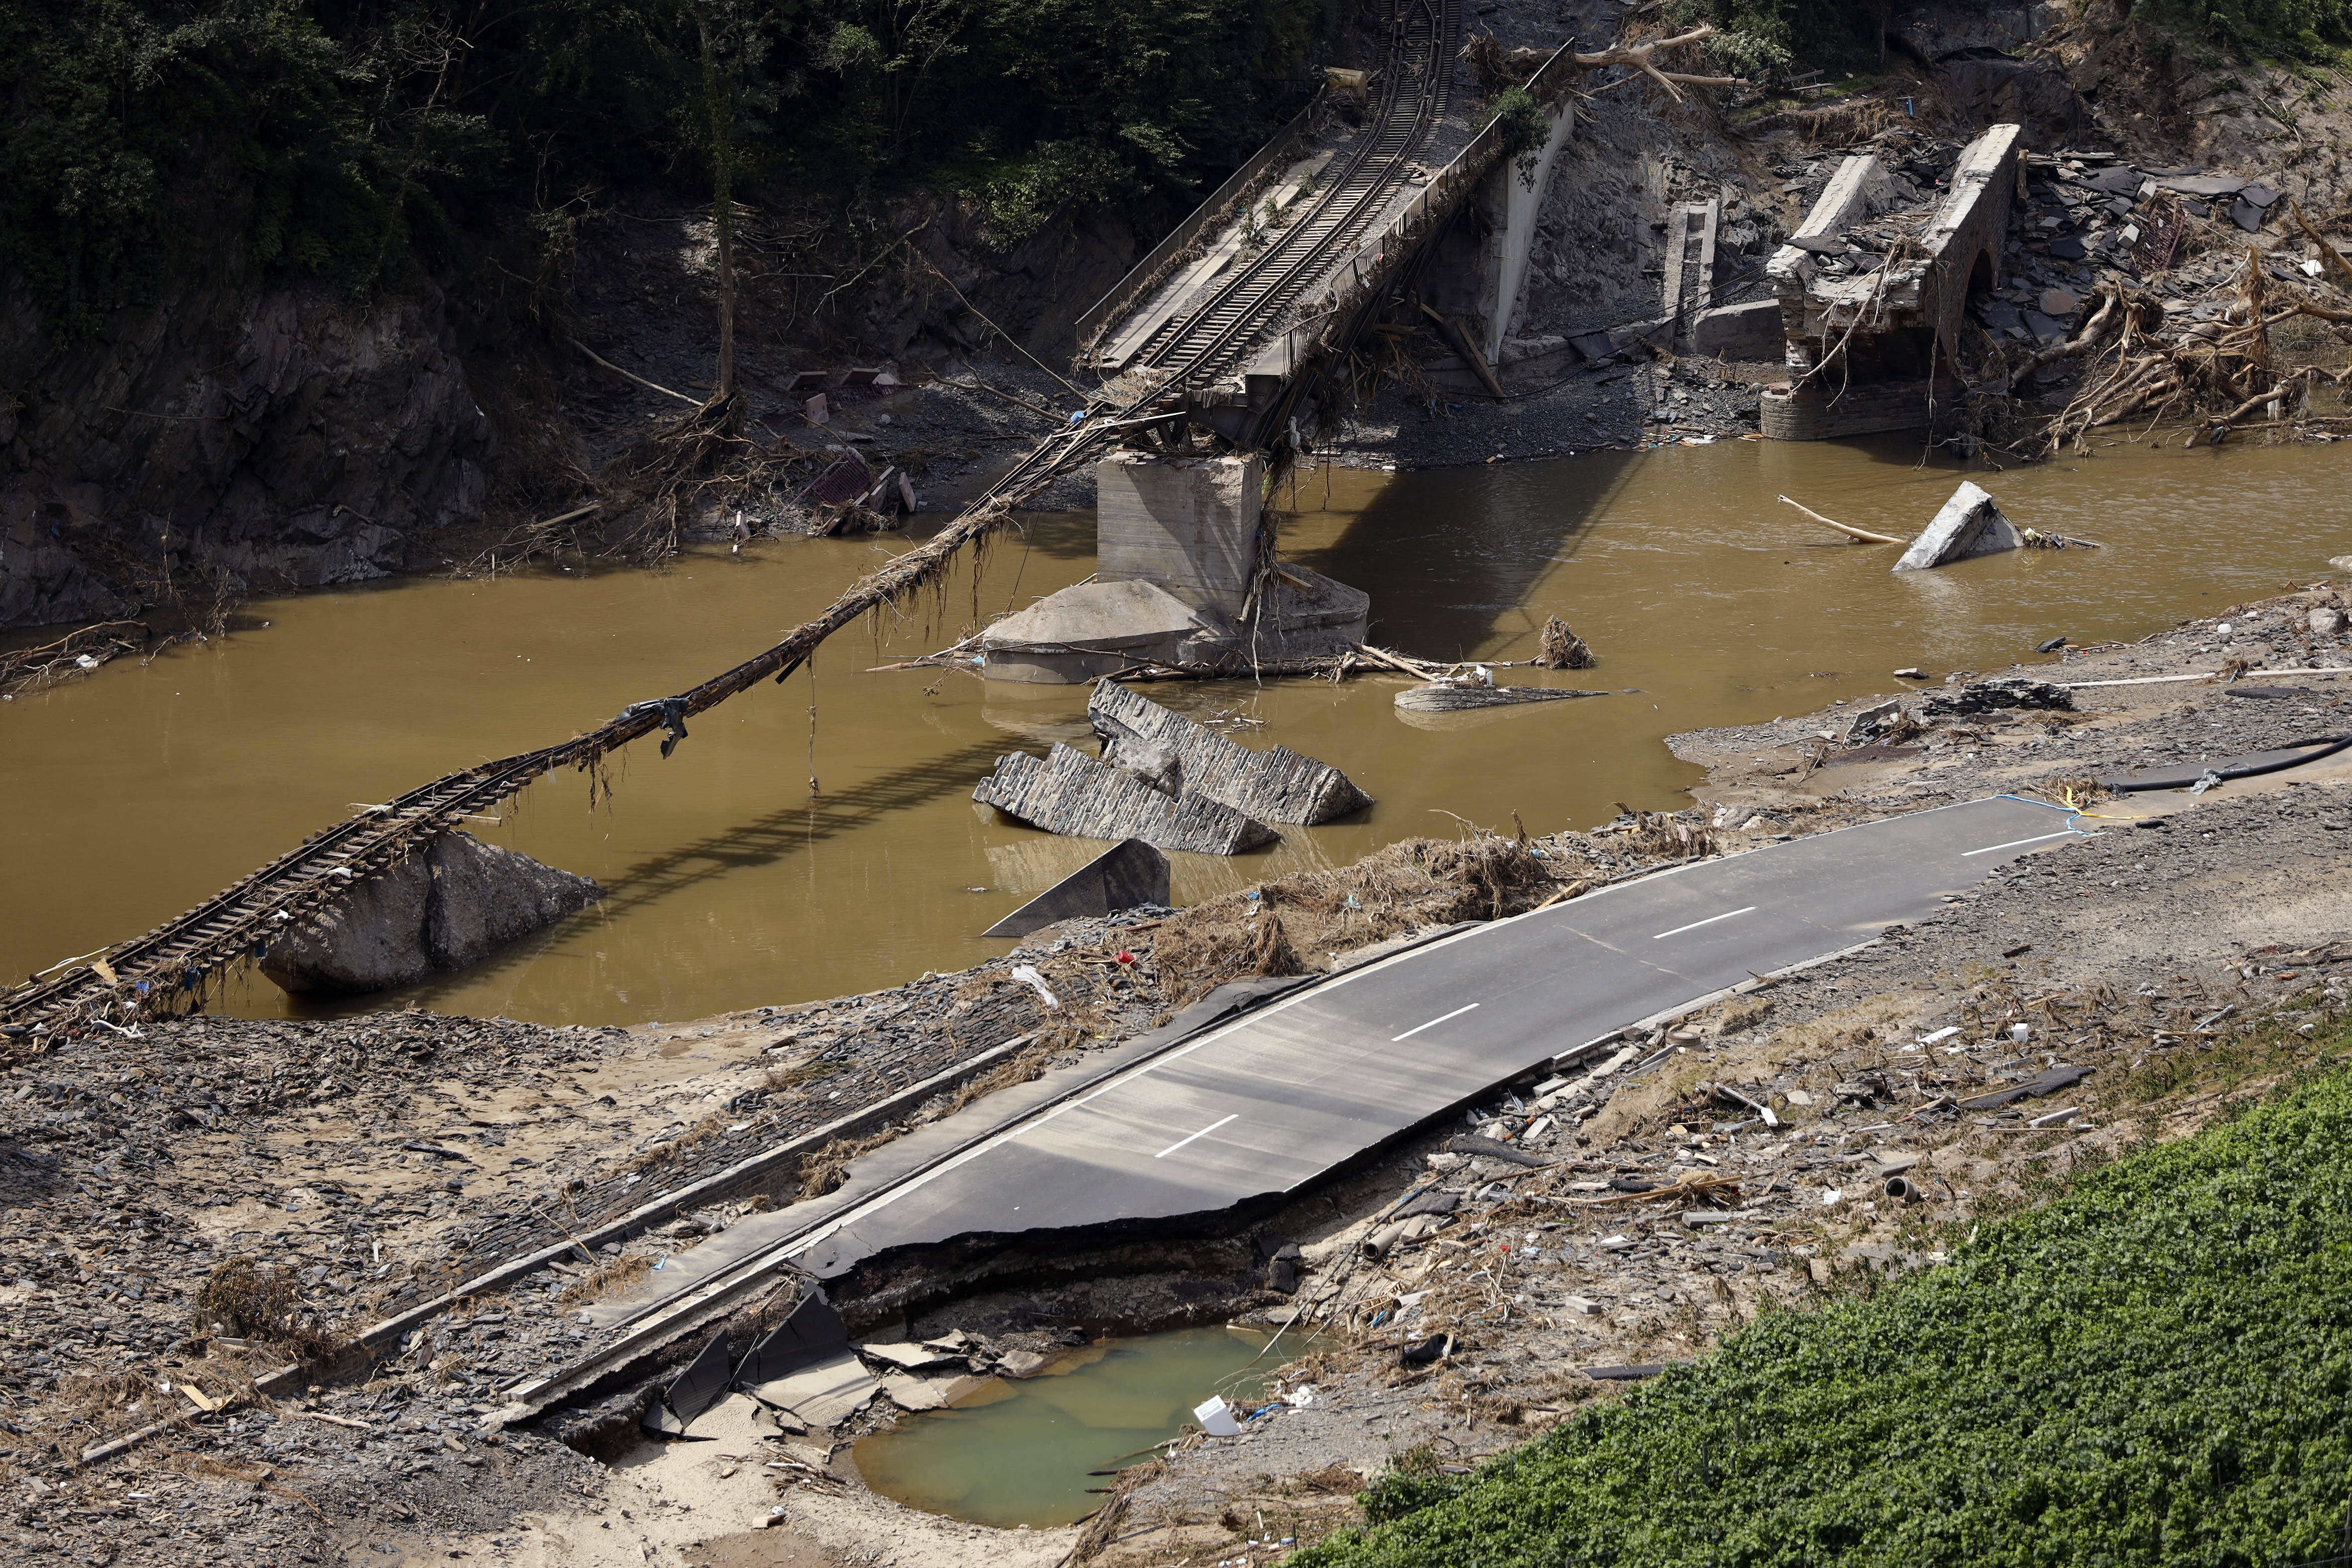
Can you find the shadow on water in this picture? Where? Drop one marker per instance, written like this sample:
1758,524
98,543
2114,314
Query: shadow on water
1451,557
694,867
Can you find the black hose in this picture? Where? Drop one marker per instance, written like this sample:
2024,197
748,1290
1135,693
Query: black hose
2252,765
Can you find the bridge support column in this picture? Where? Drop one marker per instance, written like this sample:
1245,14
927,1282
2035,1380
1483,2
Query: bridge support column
1183,577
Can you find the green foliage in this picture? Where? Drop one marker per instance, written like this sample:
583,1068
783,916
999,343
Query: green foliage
1759,40
128,115
1520,121
2154,1370
335,139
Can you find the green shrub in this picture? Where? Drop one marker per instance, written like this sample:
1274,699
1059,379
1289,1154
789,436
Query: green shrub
2153,1369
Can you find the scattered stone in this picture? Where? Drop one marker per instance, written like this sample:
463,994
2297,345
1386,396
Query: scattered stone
1988,695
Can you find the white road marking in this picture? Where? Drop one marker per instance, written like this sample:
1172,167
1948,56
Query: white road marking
2062,833
1203,1132
1709,921
1430,1025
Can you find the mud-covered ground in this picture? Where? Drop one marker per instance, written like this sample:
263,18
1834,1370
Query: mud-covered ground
365,1164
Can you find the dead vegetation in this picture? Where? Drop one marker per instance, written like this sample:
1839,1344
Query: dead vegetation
1279,928
78,652
605,1278
2214,375
250,1299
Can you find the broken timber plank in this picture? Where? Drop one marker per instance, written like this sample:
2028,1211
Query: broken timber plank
1070,793
1181,757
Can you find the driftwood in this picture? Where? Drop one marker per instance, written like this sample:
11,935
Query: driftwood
1180,757
1638,57
1070,793
2219,375
1560,648
1442,697
1855,534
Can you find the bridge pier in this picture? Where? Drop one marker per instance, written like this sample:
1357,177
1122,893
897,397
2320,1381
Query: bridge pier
1185,576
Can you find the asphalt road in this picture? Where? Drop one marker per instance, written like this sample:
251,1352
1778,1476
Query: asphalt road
1271,1102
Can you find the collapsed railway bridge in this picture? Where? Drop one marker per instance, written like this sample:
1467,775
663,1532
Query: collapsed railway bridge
1213,351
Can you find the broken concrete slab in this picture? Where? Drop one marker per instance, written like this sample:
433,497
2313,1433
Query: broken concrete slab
1176,755
910,1393
1969,525
1071,794
453,902
2206,186
1125,877
702,1384
823,1394
1443,697
908,1357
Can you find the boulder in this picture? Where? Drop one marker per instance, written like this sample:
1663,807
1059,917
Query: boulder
451,903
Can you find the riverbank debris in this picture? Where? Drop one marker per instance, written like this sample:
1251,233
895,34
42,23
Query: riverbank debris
1560,648
448,904
1069,793
1860,536
1968,526
1991,696
1175,756
1127,875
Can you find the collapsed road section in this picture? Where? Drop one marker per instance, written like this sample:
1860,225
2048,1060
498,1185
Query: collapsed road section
1187,1124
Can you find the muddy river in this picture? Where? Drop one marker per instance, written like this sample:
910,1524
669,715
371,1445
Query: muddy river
819,837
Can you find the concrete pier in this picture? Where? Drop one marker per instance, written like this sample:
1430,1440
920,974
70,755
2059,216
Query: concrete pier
1189,525
1184,579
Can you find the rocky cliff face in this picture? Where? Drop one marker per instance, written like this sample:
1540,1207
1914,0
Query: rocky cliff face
284,436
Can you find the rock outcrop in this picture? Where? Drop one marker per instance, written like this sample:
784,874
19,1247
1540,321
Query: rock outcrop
287,437
450,904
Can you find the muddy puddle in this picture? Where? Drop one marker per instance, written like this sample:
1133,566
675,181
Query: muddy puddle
1029,1452
134,793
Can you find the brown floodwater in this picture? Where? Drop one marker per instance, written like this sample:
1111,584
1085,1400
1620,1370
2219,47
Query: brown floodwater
137,792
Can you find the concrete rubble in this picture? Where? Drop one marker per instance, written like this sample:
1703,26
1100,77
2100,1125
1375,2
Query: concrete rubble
1070,793
1967,526
448,905
1128,875
1180,756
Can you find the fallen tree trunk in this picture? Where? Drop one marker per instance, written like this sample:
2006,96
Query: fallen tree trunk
1638,57
1862,535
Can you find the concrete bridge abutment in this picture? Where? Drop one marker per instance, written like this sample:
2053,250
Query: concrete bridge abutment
1185,577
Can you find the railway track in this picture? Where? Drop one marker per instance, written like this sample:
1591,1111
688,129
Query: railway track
168,969
1415,89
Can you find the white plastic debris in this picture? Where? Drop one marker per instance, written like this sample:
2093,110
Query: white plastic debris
1216,1417
1027,974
